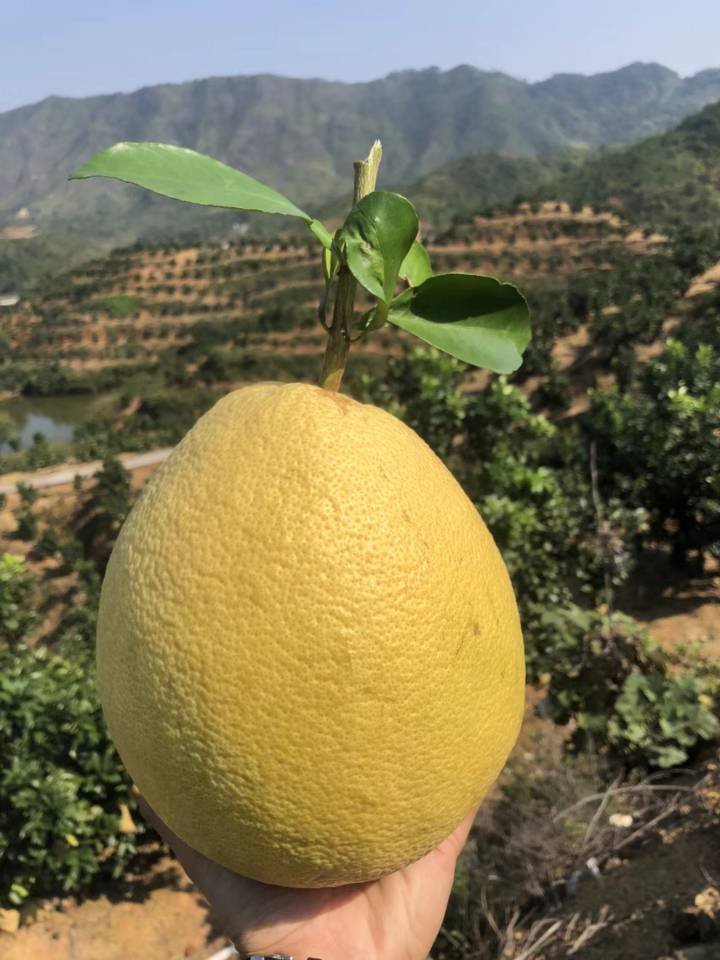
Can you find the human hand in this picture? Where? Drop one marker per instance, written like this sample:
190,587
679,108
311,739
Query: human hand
394,918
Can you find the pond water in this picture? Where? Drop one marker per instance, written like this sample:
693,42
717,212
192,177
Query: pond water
54,417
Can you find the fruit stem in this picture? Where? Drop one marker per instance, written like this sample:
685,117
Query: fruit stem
338,343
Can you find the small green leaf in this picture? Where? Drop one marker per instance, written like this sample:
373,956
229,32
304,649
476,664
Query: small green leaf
375,239
186,175
476,319
416,266
15,896
376,317
329,264
670,756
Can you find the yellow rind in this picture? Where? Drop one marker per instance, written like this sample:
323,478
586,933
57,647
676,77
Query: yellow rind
309,653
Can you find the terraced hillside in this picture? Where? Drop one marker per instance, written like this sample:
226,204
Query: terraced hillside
542,241
140,306
151,335
249,306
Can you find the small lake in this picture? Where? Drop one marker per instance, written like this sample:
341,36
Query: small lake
54,417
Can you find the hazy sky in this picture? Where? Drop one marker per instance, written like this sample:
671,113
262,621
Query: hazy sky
81,47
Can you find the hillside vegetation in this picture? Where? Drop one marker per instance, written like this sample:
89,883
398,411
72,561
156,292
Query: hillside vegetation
302,135
167,317
668,180
29,262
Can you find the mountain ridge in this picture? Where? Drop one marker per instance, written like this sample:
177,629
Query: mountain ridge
301,136
666,182
669,181
560,75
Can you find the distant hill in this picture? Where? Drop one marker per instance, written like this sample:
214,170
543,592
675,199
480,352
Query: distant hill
302,135
27,263
671,180
486,180
667,181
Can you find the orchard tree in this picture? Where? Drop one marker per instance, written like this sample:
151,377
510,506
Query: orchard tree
659,446
17,589
423,389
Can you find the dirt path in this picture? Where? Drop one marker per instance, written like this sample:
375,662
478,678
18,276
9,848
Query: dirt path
57,476
165,919
706,282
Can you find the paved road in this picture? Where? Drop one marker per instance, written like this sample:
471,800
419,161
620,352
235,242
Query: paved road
67,474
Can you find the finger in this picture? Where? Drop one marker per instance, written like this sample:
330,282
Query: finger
462,831
453,845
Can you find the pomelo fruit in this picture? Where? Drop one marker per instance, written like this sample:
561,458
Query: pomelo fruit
309,653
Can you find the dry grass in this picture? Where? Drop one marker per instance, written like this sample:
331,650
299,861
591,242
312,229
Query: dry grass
555,828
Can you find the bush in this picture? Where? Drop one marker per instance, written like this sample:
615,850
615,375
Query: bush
8,429
27,528
47,543
624,695
660,718
62,787
528,481
121,306
40,453
17,615
659,446
554,391
422,389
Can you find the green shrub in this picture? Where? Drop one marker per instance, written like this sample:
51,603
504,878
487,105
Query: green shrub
624,695
61,782
531,483
422,388
554,391
608,554
40,453
658,446
121,306
78,624
27,527
17,615
8,429
47,543
660,718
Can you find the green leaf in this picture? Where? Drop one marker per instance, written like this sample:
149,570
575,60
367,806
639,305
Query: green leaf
329,265
376,317
416,266
476,319
186,175
375,239
669,756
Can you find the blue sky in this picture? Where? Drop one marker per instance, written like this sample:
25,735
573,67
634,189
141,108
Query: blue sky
82,47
